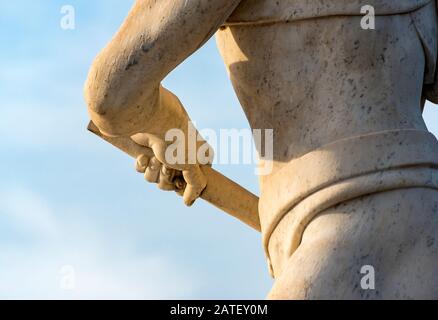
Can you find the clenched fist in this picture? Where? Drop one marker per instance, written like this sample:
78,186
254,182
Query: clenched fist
169,176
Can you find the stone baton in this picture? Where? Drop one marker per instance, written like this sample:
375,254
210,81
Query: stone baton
220,191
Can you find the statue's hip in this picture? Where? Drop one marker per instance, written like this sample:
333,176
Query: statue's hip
341,171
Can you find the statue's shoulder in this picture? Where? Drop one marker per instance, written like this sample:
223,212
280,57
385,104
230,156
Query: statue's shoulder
250,11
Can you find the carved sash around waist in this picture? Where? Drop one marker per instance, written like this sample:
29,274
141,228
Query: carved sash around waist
338,169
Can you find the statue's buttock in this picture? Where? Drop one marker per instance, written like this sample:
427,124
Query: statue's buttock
345,105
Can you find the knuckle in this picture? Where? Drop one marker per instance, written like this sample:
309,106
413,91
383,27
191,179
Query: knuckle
151,175
154,164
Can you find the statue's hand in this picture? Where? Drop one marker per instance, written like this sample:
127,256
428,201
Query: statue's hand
157,170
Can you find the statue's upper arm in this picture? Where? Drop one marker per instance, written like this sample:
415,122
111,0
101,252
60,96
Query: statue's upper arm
156,36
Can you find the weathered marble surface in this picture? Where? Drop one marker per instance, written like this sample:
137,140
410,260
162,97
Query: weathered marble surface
354,178
344,104
393,231
265,11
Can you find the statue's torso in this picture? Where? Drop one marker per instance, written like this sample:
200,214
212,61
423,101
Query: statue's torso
321,80
265,11
329,89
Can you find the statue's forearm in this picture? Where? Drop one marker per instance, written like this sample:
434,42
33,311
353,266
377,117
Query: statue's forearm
123,88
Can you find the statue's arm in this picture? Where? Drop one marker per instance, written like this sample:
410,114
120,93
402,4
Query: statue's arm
123,90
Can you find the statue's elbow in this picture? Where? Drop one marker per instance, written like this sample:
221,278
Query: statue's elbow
110,119
102,110
118,112
96,101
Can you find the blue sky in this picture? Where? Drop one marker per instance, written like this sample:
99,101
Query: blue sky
68,199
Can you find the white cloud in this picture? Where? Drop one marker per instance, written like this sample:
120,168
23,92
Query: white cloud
24,210
44,126
38,275
104,268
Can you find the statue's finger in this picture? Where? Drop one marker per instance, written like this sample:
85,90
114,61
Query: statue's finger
165,180
152,172
179,183
141,163
157,145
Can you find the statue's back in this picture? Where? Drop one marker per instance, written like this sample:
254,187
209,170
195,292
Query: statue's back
345,104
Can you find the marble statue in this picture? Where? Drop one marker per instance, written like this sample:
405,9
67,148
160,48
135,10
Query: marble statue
354,181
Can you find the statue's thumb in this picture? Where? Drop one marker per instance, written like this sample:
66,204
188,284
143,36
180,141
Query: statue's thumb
196,183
